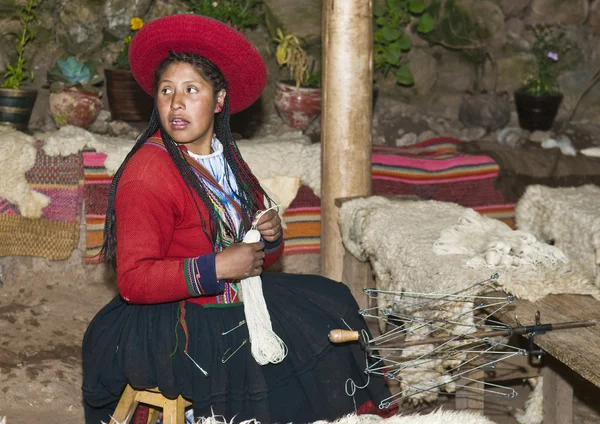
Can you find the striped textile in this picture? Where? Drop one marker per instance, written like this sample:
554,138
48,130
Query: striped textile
97,186
433,169
56,233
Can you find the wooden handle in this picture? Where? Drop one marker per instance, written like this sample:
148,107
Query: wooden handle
342,336
598,256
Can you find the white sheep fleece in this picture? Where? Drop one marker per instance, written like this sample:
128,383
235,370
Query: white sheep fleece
568,216
17,156
281,163
436,417
397,237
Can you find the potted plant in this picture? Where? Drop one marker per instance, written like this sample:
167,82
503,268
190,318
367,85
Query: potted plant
74,92
16,102
126,99
462,31
537,102
297,100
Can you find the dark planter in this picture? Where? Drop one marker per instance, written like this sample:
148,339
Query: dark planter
126,99
537,113
16,106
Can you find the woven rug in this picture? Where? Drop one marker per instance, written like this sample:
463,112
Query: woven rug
432,170
56,233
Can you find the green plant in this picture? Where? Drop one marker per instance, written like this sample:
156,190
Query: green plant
17,74
458,30
122,59
549,48
242,14
69,72
291,52
391,39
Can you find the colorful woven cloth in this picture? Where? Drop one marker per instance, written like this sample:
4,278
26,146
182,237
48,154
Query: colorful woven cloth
97,186
433,169
56,233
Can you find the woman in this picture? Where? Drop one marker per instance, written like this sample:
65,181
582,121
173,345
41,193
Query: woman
178,209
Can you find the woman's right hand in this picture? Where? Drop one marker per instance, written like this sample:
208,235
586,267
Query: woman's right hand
239,261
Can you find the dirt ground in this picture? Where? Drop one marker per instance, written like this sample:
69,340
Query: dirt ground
45,307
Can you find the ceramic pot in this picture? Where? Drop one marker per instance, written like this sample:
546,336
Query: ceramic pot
16,106
126,99
75,107
537,113
297,106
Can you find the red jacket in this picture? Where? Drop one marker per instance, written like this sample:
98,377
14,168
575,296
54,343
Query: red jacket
159,232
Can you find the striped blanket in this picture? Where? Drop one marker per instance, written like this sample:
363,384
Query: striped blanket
56,233
433,169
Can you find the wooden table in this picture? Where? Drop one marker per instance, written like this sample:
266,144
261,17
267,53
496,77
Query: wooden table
573,350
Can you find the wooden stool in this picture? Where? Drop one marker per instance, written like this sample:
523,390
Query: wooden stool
173,409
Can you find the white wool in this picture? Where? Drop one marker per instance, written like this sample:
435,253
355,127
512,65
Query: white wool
281,163
491,243
289,155
282,190
534,405
397,237
17,156
267,347
436,417
69,140
570,217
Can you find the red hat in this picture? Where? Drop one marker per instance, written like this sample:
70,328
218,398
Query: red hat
239,61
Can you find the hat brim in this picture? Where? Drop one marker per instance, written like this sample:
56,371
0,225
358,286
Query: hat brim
239,61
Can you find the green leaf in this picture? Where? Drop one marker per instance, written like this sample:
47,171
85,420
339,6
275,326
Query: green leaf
380,21
391,33
404,76
378,10
426,24
392,57
405,43
416,6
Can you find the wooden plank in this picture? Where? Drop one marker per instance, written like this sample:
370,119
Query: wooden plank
558,396
357,276
578,348
126,407
469,391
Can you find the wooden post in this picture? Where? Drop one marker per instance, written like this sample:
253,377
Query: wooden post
346,118
558,395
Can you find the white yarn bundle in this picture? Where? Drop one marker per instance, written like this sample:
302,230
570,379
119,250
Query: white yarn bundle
266,346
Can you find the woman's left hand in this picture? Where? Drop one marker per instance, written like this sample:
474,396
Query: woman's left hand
269,226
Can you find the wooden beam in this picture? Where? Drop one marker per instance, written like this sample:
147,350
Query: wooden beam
558,395
346,118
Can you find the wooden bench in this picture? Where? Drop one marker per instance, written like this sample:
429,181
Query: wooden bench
574,350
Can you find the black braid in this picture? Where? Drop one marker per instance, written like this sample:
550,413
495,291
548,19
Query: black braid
248,187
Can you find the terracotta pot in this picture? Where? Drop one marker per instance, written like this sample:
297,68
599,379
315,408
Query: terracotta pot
126,99
298,107
74,107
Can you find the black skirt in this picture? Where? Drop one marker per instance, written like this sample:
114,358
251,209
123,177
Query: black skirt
143,345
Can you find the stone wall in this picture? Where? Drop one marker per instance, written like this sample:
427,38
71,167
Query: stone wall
442,77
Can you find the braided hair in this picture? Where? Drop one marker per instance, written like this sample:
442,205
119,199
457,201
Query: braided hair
249,190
